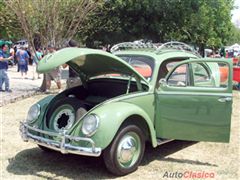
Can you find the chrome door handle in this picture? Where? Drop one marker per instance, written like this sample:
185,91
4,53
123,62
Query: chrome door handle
225,99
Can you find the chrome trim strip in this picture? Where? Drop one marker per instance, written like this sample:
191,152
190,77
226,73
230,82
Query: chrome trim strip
196,93
61,146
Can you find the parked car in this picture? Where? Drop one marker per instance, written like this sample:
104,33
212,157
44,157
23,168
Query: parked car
131,97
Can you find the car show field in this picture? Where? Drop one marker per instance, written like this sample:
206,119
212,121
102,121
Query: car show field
132,90
22,160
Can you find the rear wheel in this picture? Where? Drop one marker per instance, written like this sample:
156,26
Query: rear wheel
125,152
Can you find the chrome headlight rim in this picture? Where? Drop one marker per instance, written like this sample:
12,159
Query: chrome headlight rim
33,118
84,131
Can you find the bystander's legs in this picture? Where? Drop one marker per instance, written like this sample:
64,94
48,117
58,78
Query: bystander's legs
6,80
1,79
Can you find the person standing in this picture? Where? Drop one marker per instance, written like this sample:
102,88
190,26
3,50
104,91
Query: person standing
73,79
227,54
54,74
15,51
4,58
29,54
37,56
12,53
22,58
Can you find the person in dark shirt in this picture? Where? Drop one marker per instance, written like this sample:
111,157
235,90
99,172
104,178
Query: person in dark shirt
74,79
4,58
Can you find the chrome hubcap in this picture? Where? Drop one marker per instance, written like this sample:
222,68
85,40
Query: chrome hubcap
128,150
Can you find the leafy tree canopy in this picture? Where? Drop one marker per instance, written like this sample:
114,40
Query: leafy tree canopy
9,25
50,22
201,22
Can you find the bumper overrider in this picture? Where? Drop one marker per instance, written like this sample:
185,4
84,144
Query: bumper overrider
62,145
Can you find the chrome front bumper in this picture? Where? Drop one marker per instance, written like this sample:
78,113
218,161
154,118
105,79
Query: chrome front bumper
61,146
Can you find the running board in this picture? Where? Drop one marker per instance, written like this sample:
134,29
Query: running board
161,141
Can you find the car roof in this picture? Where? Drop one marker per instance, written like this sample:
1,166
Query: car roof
165,51
158,56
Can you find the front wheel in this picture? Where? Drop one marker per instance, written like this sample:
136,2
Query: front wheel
125,152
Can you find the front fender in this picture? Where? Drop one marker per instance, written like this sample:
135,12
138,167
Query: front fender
112,115
45,101
43,105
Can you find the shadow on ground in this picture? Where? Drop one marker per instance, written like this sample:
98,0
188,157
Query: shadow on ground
164,150
39,163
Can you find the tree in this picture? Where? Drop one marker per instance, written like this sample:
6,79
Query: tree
234,36
200,22
50,22
126,20
101,26
9,26
211,24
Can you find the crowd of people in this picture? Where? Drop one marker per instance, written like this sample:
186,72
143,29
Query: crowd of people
22,57
223,53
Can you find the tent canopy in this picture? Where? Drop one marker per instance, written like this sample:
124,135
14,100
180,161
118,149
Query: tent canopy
235,47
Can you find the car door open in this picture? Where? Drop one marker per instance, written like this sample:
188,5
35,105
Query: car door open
194,101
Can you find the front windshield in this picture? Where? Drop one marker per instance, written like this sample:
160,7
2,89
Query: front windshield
142,64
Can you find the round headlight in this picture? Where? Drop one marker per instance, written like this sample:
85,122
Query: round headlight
33,113
90,124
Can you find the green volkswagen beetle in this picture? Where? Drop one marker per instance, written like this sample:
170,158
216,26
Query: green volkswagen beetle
138,94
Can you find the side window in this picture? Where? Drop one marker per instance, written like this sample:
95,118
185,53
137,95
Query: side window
201,75
210,74
179,76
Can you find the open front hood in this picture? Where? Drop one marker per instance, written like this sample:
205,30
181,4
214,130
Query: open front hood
87,62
